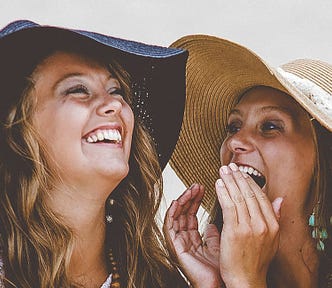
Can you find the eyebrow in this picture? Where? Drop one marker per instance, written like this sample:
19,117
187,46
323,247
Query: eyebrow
72,75
267,109
290,113
65,77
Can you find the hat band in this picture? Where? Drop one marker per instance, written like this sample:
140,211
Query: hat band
316,94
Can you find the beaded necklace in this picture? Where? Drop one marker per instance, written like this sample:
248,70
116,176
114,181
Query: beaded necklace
115,273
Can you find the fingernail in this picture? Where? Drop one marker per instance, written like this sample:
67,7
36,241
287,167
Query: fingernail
245,175
276,204
224,170
233,167
192,186
279,201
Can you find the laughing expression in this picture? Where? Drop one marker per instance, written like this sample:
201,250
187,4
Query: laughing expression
83,119
270,138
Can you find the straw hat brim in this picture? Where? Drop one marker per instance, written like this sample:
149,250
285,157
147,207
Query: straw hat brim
218,73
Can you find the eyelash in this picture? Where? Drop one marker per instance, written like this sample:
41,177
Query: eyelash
268,124
81,89
117,91
233,127
265,127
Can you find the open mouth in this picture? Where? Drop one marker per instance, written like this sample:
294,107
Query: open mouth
257,176
112,136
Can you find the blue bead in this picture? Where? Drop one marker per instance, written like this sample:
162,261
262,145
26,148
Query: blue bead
323,234
312,220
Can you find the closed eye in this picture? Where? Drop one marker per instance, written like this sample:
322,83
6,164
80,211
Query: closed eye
117,91
78,89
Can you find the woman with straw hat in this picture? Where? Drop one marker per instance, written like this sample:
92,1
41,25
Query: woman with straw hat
85,132
270,131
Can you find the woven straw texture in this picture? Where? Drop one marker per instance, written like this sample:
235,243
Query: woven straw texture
218,73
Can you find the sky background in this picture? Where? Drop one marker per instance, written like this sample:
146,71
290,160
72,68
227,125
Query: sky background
277,30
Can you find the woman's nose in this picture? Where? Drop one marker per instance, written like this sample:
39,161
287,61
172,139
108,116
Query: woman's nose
240,142
109,105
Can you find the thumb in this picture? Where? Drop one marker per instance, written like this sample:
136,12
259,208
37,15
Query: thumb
276,205
211,236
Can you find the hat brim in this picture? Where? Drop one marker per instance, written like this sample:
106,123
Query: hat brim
218,73
155,70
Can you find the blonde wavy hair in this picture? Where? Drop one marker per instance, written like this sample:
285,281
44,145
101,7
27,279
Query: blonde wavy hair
36,245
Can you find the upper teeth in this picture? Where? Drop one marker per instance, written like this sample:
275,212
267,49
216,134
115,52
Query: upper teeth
249,170
100,135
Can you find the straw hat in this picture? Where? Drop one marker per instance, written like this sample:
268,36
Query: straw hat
218,72
152,68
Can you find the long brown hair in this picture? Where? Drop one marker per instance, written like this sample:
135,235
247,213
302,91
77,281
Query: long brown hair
37,246
322,189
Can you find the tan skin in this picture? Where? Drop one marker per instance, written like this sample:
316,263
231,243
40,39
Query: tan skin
269,132
77,98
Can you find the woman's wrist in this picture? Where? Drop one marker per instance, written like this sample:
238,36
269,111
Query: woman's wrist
211,283
237,282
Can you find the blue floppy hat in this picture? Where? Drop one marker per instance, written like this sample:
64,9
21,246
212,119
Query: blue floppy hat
157,73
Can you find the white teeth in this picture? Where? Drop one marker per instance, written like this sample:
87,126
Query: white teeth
249,170
100,135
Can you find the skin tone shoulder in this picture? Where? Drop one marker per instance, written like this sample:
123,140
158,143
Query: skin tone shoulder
86,126
271,139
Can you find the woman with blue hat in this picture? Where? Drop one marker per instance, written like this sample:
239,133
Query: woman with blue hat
88,122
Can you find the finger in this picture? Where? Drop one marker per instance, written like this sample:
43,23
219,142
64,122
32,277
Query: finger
249,195
235,194
183,222
196,239
197,193
230,217
185,199
171,226
264,203
184,202
192,222
276,204
211,236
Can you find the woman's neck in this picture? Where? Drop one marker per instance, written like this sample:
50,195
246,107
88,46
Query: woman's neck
88,262
86,217
296,263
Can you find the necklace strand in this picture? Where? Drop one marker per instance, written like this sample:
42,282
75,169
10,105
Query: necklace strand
115,273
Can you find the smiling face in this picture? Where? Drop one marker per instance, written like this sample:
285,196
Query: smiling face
83,120
270,135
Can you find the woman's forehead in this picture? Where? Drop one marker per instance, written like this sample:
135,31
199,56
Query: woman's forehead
262,96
